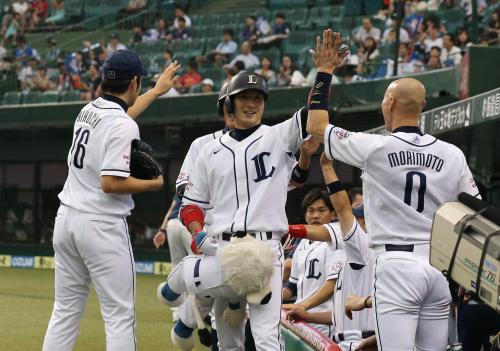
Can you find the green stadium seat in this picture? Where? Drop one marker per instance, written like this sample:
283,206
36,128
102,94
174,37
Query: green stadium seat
278,4
225,19
195,89
181,57
297,17
49,96
73,8
212,43
12,98
197,47
297,4
207,20
32,97
241,17
304,62
265,13
296,42
72,95
307,24
213,73
179,46
145,60
141,48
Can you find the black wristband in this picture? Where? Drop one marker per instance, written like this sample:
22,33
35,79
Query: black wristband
300,175
318,97
334,187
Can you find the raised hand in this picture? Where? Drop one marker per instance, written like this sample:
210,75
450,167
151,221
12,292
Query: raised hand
167,79
328,53
309,147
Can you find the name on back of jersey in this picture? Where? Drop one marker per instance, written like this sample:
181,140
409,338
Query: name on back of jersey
412,158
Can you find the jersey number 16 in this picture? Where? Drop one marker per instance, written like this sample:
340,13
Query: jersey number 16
81,139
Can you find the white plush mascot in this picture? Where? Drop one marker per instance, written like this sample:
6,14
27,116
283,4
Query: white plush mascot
239,271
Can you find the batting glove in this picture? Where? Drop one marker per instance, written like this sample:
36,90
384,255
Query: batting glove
202,243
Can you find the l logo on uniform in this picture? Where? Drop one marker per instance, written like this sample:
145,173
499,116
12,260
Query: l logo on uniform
260,167
252,79
312,271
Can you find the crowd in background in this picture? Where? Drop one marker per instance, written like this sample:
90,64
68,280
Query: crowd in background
425,44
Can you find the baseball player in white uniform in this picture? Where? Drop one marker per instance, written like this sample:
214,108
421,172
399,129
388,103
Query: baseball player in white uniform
406,176
243,177
313,260
91,240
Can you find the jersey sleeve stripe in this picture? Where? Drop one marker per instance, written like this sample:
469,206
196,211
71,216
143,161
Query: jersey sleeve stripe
412,143
329,142
194,200
114,170
334,236
350,235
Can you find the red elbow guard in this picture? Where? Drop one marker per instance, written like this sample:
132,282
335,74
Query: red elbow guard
297,230
192,213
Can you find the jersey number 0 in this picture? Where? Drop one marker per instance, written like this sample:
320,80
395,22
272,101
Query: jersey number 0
81,139
421,189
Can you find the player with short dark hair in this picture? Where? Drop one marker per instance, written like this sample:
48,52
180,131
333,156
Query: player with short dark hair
91,240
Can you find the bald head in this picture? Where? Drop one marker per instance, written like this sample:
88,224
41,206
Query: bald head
409,94
403,102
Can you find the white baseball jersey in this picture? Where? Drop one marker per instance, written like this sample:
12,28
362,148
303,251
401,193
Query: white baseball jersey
247,181
192,154
416,172
355,278
102,138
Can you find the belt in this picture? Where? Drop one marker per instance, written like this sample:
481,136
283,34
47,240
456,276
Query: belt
407,248
257,235
364,334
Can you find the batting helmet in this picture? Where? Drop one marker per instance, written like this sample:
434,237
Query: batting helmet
221,99
244,81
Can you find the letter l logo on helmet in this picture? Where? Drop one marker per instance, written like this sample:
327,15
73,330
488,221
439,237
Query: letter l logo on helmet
252,79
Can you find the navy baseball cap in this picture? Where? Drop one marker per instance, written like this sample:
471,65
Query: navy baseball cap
359,211
122,64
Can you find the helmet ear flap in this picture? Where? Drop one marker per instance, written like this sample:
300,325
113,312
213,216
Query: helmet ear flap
229,105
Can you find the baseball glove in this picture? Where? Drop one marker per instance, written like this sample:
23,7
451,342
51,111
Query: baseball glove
142,163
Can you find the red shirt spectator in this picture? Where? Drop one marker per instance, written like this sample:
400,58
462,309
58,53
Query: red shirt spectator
188,79
40,7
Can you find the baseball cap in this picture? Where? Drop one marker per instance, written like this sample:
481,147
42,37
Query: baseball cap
207,81
359,211
122,64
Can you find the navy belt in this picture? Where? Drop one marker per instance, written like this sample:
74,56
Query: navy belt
258,235
407,248
364,334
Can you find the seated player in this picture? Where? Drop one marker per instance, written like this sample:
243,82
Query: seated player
240,270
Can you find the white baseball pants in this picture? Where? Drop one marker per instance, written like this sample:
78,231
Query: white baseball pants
92,249
179,241
411,302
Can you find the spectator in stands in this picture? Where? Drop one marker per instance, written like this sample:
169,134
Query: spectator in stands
179,12
135,6
93,80
366,30
407,64
239,66
431,38
389,35
493,29
246,56
450,55
266,70
207,86
466,5
40,11
251,32
230,73
11,25
288,74
114,44
74,63
21,7
52,52
414,18
137,35
222,52
23,50
180,32
3,52
57,12
463,41
63,81
370,51
26,74
279,33
162,28
41,81
433,63
188,79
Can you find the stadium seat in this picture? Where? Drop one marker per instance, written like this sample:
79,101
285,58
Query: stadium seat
213,73
297,17
179,46
12,98
295,43
313,14
50,96
71,95
73,8
32,97
274,55
197,47
264,13
278,4
225,19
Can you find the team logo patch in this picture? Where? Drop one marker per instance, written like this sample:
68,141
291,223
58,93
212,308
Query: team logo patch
341,133
416,140
472,182
111,75
252,79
